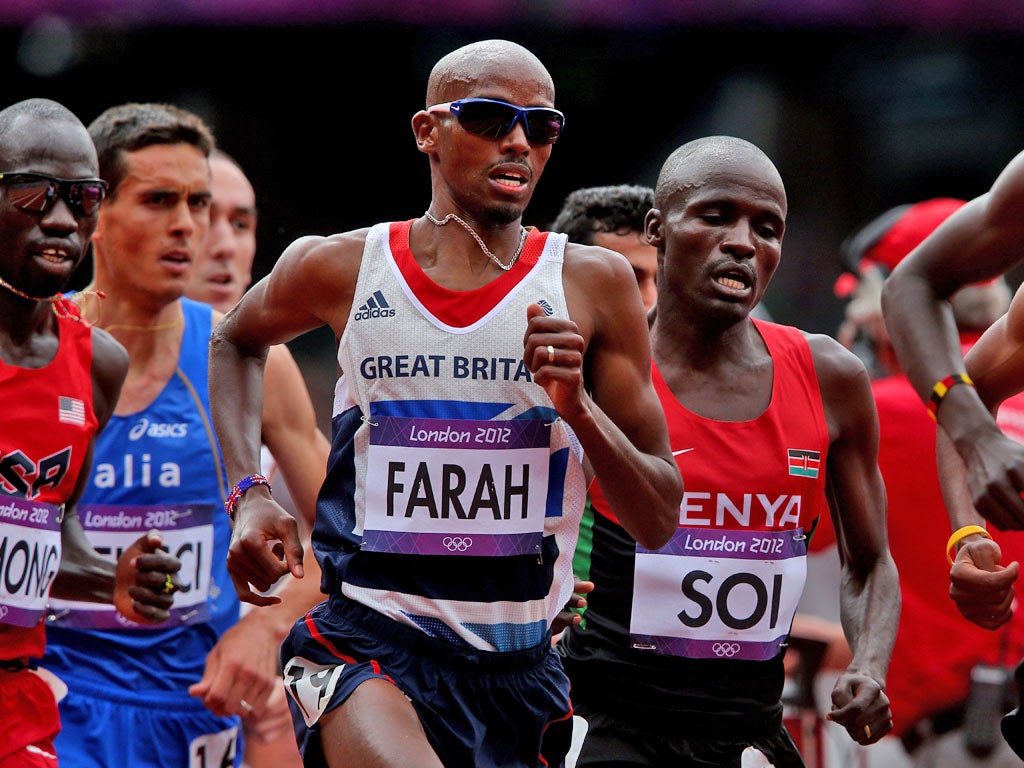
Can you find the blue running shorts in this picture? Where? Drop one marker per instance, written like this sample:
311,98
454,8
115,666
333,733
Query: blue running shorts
105,729
478,708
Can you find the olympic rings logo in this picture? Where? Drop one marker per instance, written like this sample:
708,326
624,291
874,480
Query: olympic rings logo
725,649
457,543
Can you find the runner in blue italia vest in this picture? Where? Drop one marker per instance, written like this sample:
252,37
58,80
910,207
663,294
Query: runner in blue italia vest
179,690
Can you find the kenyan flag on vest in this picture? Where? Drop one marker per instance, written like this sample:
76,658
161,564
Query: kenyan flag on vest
804,463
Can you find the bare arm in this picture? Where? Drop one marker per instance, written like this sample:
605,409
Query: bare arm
243,665
604,391
978,242
993,464
290,431
980,585
301,452
310,286
870,595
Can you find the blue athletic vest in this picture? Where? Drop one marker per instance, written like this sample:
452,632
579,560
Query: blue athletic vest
158,468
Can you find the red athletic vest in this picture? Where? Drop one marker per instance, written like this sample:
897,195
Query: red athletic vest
46,425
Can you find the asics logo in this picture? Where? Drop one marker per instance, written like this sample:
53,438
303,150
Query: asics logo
145,429
375,306
457,543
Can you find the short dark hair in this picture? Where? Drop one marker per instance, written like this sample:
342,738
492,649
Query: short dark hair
619,208
134,126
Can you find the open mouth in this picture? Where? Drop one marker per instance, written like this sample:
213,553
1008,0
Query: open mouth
511,180
734,280
731,283
514,176
54,255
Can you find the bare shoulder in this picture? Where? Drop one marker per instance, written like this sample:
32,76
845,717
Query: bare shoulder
601,290
596,277
310,285
109,370
287,405
833,359
592,263
324,255
282,370
842,376
281,356
109,359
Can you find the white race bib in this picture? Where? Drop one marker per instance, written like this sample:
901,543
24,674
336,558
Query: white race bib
714,593
30,553
187,532
456,486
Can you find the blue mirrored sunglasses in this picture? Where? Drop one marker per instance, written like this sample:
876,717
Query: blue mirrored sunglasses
493,118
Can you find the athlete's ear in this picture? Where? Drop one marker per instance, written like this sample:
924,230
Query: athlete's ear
653,228
424,128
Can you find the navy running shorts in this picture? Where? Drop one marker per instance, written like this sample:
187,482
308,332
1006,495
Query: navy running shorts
478,708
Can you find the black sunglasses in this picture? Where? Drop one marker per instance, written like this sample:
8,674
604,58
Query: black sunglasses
37,192
493,118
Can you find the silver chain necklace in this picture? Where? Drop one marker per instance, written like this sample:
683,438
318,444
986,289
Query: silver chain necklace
519,251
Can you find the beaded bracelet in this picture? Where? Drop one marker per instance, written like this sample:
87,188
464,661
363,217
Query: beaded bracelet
941,389
962,533
239,490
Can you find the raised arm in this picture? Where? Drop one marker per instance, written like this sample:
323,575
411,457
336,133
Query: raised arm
606,394
870,594
978,242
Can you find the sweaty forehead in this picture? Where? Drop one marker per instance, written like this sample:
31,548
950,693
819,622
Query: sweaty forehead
729,178
495,76
59,147
753,194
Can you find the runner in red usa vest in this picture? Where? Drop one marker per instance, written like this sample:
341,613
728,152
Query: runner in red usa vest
679,658
59,381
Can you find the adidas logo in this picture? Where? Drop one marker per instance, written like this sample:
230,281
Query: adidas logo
376,306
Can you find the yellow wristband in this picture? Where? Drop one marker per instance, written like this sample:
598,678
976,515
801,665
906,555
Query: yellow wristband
962,533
